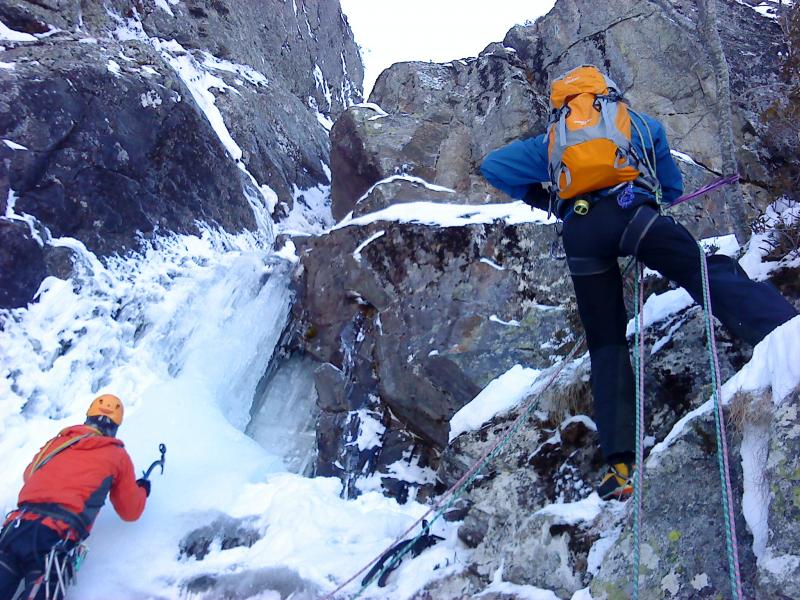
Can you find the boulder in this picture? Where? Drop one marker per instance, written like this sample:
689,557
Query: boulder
442,121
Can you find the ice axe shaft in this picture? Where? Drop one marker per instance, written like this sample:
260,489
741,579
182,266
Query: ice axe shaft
157,463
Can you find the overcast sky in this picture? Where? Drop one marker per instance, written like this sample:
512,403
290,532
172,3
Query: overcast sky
390,31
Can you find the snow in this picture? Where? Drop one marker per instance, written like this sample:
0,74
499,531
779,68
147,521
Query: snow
249,74
321,84
775,365
658,307
683,157
11,35
113,67
14,145
450,215
573,513
522,592
322,119
365,243
288,252
511,323
311,210
492,264
8,66
150,99
372,106
599,550
411,178
370,430
725,245
755,499
11,214
783,213
502,395
767,8
165,6
200,82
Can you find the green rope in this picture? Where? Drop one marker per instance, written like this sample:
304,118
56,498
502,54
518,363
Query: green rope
651,165
724,472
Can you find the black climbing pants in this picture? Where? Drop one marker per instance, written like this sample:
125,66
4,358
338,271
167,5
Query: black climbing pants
23,548
593,242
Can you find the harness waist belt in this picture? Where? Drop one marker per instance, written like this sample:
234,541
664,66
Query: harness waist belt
55,511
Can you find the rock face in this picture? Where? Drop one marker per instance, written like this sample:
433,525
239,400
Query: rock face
422,318
114,133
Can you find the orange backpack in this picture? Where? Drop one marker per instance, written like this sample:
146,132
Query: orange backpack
590,136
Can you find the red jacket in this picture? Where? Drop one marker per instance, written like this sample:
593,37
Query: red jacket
77,480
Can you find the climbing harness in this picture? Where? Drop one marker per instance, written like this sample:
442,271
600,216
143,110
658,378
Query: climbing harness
722,443
638,358
449,497
60,571
157,463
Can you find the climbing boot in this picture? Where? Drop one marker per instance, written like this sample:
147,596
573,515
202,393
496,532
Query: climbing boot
617,483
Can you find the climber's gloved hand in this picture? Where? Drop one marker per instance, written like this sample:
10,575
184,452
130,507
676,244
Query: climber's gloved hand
144,484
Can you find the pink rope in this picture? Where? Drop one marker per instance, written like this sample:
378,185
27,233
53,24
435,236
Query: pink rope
723,435
464,478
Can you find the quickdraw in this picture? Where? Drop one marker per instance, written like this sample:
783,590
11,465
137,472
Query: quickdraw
61,567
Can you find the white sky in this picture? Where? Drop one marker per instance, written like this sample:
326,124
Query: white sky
390,31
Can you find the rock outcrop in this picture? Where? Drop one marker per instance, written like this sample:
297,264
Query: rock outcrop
124,120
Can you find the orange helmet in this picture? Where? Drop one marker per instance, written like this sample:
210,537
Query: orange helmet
107,405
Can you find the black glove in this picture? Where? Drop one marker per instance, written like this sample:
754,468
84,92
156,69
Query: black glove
537,197
145,484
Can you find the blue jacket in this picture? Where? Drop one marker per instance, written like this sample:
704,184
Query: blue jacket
519,167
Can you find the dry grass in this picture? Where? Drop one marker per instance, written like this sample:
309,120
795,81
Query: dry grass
570,395
747,408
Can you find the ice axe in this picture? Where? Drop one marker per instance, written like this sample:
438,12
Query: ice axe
157,463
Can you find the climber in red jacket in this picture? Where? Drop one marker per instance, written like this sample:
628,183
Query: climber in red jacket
64,488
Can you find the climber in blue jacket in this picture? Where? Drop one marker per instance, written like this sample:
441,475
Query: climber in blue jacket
625,221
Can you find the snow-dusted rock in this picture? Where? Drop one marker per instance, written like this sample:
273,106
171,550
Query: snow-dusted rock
123,120
442,121
779,559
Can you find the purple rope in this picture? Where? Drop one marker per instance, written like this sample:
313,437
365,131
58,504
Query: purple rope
706,188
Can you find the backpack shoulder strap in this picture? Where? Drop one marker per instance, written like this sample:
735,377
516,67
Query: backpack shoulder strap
52,448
